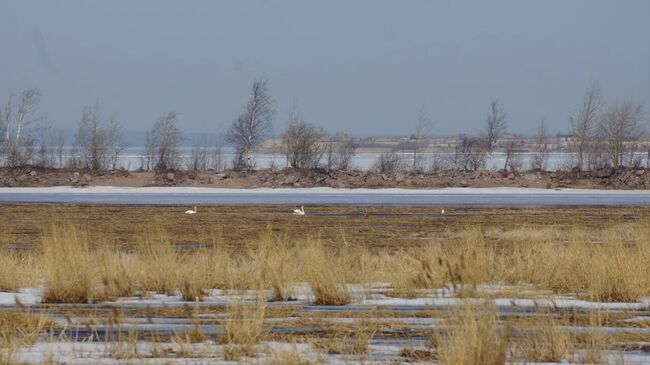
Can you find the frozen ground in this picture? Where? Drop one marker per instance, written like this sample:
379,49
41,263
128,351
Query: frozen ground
82,339
446,196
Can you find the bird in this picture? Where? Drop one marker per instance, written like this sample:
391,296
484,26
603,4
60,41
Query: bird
300,211
442,211
191,211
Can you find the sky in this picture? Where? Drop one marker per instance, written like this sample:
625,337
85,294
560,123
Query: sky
363,67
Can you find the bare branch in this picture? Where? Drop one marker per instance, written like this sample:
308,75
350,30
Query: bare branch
496,126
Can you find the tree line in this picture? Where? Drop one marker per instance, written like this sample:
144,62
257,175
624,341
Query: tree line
600,135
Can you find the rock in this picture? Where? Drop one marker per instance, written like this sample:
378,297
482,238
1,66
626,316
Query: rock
605,173
548,185
640,172
531,177
21,178
32,173
86,177
463,183
511,176
75,175
170,176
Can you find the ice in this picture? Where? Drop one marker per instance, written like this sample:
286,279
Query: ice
325,195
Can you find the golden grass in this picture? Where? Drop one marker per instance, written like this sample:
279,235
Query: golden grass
242,328
543,341
325,275
18,328
353,339
475,337
16,270
68,266
76,269
288,357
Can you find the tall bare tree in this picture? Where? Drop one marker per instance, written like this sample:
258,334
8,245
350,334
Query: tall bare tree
422,131
620,125
115,141
98,141
540,158
252,125
495,127
162,143
583,125
59,141
16,122
92,139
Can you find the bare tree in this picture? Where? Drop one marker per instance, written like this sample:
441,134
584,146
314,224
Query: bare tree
422,130
217,158
495,126
59,139
114,141
162,143
540,158
252,125
470,154
513,160
16,124
199,158
339,151
46,155
389,163
583,125
620,125
92,139
303,145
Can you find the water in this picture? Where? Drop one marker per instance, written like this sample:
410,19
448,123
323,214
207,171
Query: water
327,196
131,159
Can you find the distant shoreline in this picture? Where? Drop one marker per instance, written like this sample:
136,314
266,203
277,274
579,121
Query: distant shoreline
624,178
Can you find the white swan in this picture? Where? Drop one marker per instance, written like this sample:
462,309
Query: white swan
300,211
191,211
442,211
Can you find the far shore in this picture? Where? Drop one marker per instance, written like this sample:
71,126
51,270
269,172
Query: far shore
623,178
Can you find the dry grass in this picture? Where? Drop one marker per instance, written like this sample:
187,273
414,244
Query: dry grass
288,357
68,265
17,270
76,271
543,341
18,328
353,339
475,338
325,275
242,328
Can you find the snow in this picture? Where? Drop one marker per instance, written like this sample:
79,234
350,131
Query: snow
29,296
507,302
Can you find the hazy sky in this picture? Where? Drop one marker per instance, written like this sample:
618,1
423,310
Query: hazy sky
358,66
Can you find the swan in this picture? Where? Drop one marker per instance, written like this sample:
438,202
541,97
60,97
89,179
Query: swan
191,211
300,211
442,211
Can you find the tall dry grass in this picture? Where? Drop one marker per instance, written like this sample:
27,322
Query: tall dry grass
17,270
325,274
475,337
67,265
19,328
243,327
76,270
